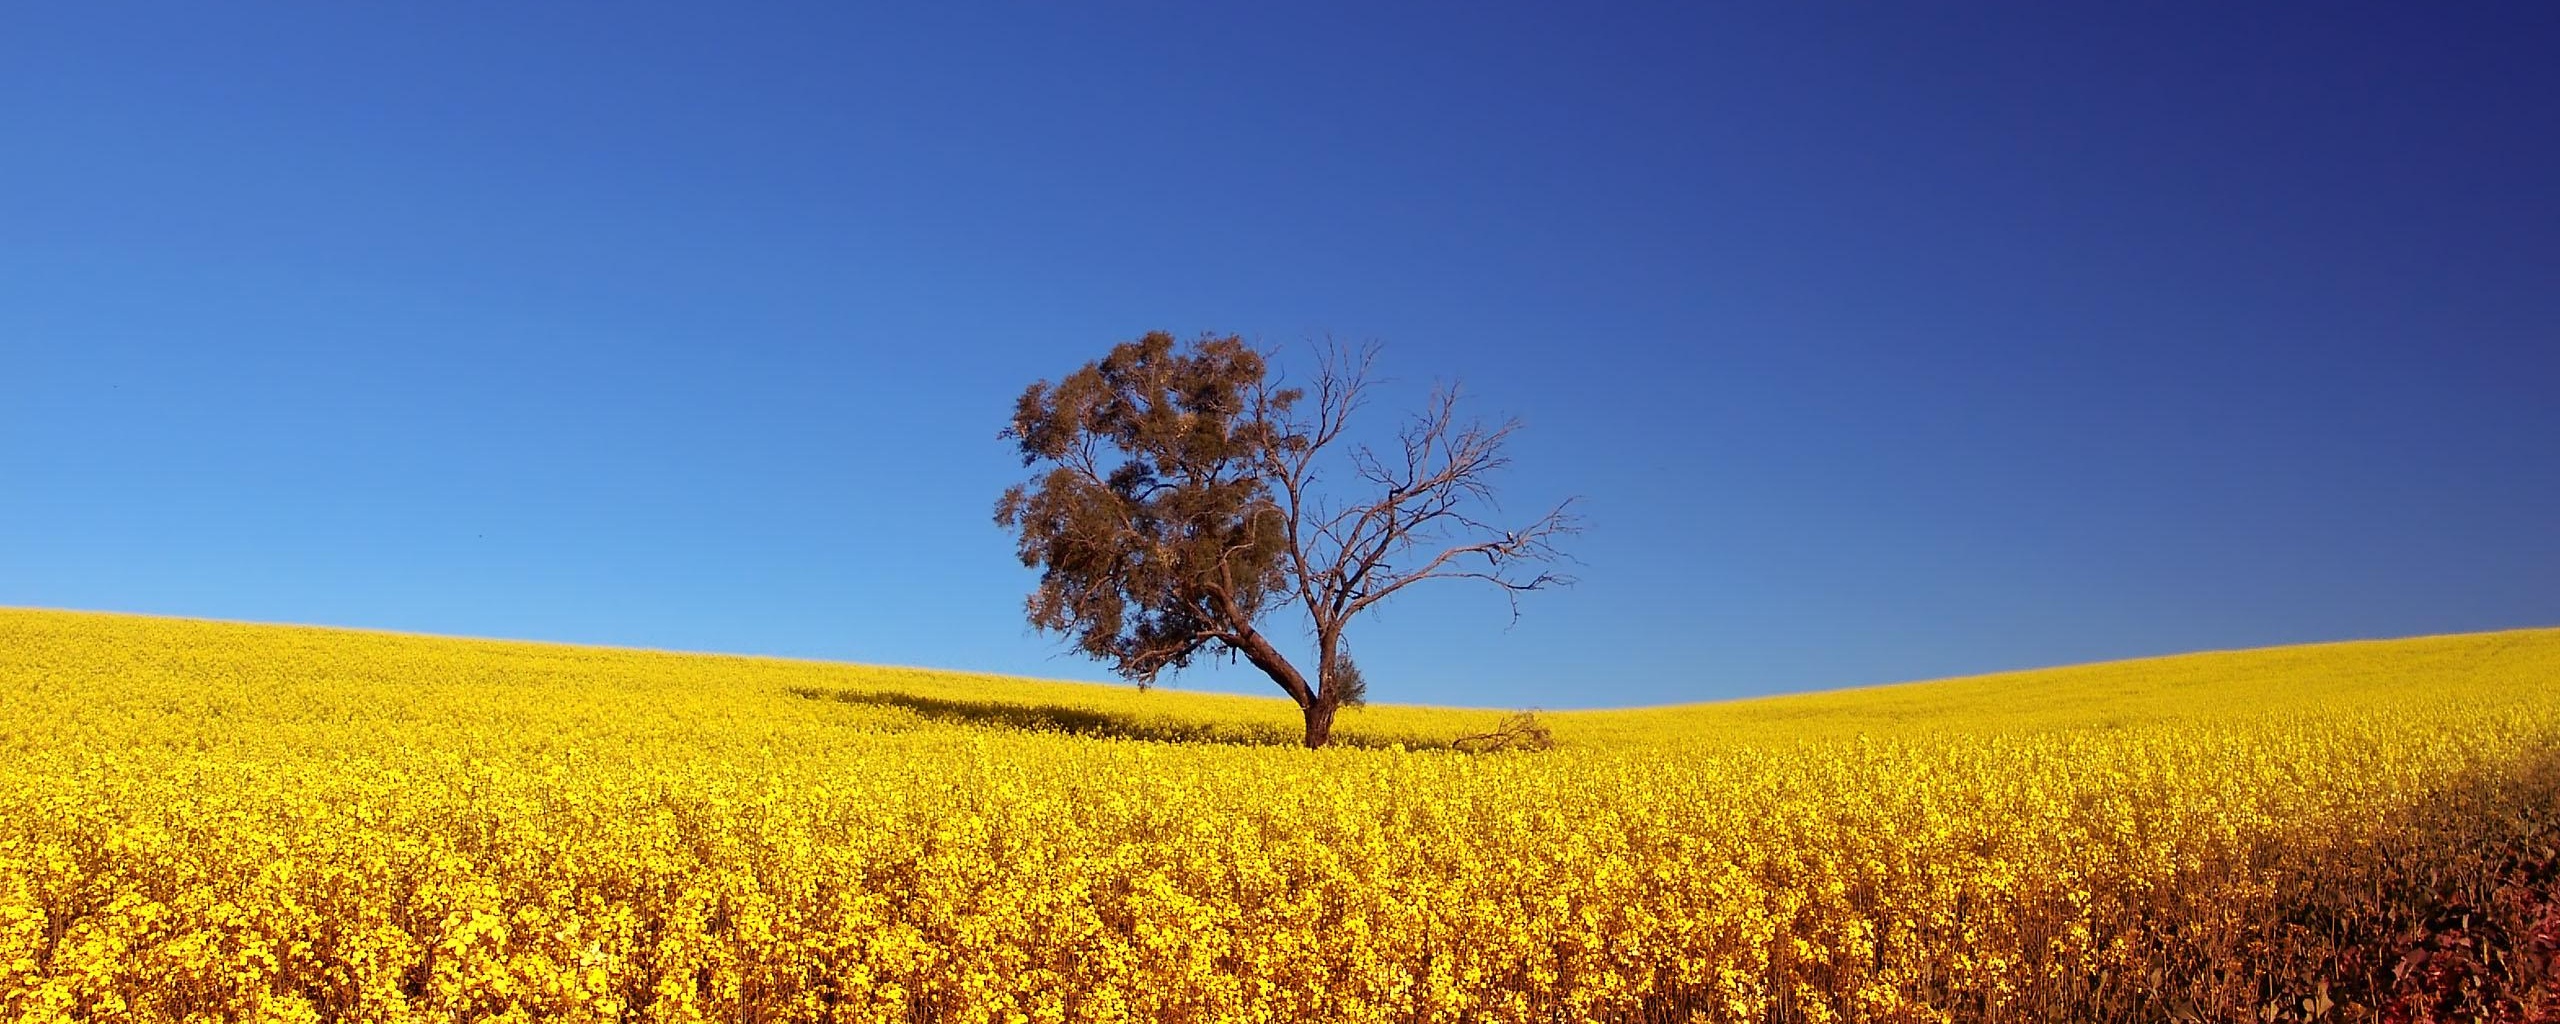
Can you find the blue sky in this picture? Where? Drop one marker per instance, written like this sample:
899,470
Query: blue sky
1879,343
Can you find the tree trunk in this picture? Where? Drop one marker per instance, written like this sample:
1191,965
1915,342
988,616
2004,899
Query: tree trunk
1319,722
1315,701
1272,663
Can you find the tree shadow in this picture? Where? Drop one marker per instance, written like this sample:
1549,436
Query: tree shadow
1079,721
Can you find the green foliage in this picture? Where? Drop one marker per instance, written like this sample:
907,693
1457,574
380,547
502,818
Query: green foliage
1155,532
1343,681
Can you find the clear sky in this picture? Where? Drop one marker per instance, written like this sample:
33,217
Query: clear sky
1879,342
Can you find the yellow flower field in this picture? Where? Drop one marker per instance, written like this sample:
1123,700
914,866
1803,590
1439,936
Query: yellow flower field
205,821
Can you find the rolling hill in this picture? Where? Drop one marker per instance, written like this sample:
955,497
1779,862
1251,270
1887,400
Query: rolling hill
293,822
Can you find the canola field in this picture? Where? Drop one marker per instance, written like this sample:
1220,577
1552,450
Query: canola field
205,821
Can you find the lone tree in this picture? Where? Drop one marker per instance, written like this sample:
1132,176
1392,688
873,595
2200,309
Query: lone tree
1181,506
